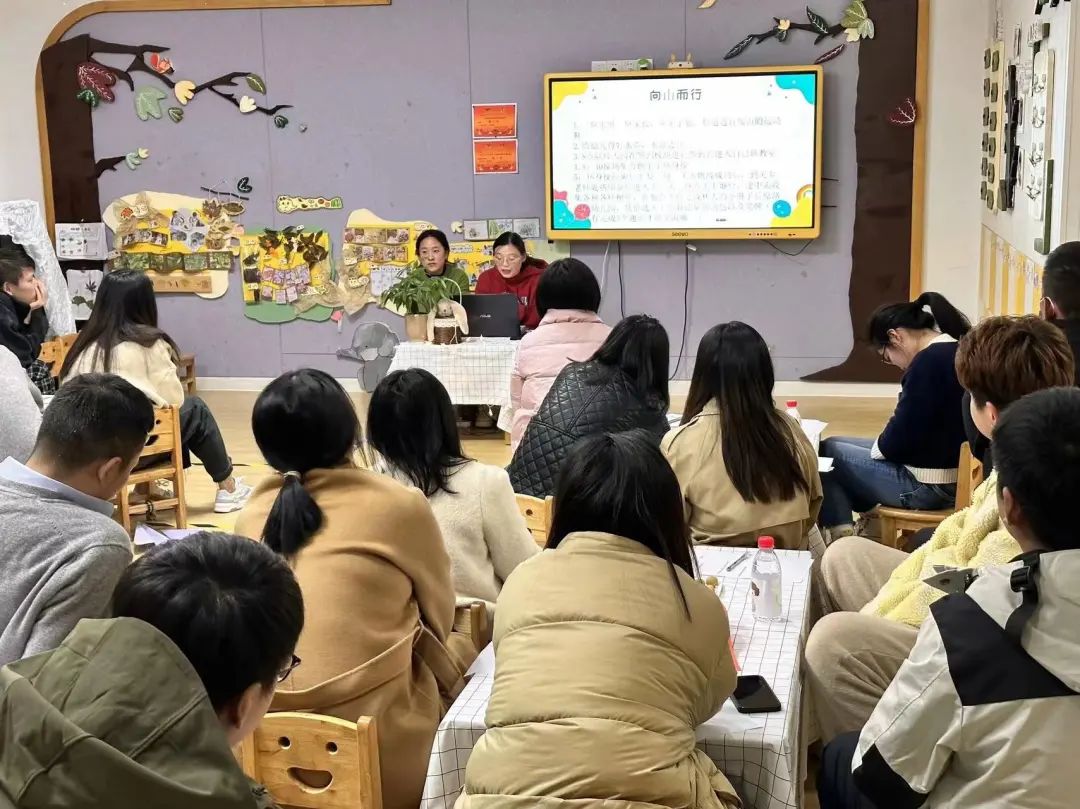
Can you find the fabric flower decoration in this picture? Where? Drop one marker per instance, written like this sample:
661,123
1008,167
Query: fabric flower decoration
184,91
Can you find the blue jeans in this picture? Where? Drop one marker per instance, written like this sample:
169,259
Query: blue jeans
858,483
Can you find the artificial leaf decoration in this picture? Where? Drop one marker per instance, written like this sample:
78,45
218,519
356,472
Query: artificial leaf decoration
256,83
866,29
244,185
855,14
280,121
247,104
707,3
135,159
95,77
852,34
782,34
148,103
233,208
829,55
739,48
184,90
783,25
905,115
88,97
176,114
816,20
160,64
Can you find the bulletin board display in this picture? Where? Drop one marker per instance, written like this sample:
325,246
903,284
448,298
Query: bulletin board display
684,154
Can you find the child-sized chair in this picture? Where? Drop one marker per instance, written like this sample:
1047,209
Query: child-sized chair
537,514
315,762
163,446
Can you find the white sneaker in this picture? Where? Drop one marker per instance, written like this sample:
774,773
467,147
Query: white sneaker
228,502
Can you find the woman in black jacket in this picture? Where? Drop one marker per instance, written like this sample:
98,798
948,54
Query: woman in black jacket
624,386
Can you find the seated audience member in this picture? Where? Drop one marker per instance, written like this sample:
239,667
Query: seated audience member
746,469
20,409
984,711
370,561
570,330
913,463
412,428
141,710
61,552
609,652
122,337
1061,306
876,595
433,257
23,324
515,273
623,386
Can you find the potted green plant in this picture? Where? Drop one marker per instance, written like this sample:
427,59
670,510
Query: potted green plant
414,296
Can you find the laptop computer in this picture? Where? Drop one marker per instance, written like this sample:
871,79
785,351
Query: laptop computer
492,315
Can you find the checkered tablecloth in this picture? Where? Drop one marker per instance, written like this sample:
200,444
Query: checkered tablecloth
761,754
475,372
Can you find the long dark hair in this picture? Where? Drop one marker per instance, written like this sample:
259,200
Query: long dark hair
760,452
943,317
639,347
303,420
619,483
411,423
510,239
125,311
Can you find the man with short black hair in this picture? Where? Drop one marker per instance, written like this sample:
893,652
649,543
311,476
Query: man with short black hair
61,552
23,324
985,709
141,710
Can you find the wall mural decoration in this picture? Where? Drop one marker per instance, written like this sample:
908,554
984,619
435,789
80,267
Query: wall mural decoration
855,25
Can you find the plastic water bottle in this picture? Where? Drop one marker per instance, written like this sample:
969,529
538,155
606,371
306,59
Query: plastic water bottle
792,409
765,584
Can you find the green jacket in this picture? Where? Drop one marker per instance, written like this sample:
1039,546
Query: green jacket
453,272
115,718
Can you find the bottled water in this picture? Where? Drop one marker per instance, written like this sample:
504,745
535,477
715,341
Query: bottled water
765,584
792,409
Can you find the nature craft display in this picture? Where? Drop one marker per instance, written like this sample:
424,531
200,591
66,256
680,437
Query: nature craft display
97,82
287,275
855,24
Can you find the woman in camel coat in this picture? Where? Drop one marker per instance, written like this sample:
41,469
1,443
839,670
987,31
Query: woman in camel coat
370,561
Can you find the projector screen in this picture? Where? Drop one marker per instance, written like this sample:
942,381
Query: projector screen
684,154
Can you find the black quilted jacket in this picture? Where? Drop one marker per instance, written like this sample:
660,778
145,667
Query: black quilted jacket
586,398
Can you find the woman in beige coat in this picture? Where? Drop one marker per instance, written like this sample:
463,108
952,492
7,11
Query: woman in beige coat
608,652
375,576
746,469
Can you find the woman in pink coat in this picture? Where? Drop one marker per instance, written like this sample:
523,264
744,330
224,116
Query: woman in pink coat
567,298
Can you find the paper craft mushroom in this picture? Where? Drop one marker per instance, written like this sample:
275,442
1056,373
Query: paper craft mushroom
446,322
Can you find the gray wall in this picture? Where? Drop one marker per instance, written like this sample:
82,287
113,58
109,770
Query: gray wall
385,92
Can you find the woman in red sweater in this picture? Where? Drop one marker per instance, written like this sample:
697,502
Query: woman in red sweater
515,273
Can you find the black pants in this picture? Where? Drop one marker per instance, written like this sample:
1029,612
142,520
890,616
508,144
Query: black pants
836,785
200,435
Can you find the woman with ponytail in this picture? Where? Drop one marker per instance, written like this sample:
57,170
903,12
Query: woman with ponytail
913,463
367,552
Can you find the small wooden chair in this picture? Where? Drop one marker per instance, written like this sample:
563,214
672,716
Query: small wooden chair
897,522
186,372
289,752
472,619
537,514
164,446
54,352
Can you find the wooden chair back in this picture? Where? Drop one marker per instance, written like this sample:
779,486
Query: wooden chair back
54,352
537,514
315,762
472,619
896,522
164,447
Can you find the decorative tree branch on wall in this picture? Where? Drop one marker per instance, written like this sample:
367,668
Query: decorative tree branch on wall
855,23
96,82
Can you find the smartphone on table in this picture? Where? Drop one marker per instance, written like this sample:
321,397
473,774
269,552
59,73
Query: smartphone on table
753,695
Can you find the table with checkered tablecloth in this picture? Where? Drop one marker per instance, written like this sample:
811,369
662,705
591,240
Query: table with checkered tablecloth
474,372
761,754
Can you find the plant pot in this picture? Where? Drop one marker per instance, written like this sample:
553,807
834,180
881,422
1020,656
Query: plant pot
416,328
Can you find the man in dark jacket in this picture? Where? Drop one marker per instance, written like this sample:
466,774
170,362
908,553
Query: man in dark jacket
1061,306
23,324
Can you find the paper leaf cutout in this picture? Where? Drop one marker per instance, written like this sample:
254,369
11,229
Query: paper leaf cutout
184,90
280,121
782,34
816,20
176,114
904,115
247,104
243,185
233,208
160,64
707,3
866,30
148,103
852,34
256,83
88,97
132,160
855,14
97,78
739,48
829,55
